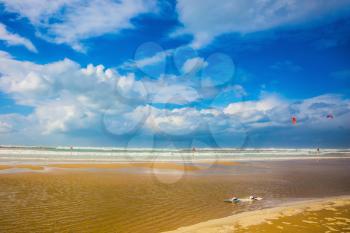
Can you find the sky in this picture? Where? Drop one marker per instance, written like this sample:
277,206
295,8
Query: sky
186,73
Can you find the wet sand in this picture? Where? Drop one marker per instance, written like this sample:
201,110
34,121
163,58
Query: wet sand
21,166
96,198
121,165
171,166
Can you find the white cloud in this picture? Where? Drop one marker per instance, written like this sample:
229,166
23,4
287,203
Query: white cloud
273,110
207,19
37,11
177,121
193,64
177,94
125,119
253,111
148,61
66,97
131,89
149,58
15,39
314,110
270,110
71,21
65,116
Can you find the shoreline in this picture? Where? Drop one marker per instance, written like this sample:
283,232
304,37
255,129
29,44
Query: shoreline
130,159
194,165
32,159
252,218
164,155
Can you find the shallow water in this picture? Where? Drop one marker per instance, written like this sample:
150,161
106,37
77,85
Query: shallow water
103,200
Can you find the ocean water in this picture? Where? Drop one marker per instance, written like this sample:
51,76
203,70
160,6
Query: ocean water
165,154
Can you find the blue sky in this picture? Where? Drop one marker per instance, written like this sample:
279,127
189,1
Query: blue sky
181,73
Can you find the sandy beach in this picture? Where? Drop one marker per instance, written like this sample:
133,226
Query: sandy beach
163,196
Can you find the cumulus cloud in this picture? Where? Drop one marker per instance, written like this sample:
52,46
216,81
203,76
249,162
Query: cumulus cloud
269,111
64,95
255,111
67,98
207,19
273,110
65,116
71,21
180,121
15,39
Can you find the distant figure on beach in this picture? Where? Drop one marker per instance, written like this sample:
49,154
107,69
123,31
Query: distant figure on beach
193,150
294,120
318,150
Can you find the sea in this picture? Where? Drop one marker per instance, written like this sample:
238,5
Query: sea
115,154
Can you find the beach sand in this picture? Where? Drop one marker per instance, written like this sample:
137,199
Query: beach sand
324,215
138,198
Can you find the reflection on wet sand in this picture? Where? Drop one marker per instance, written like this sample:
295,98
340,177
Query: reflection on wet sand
146,165
21,166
